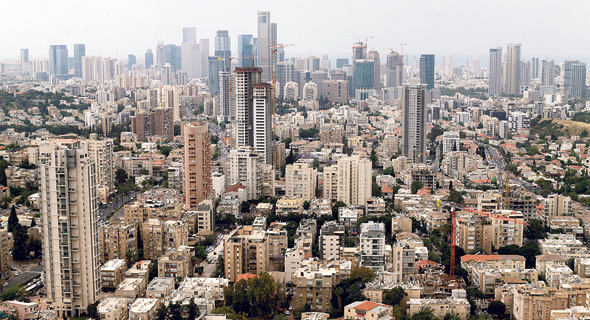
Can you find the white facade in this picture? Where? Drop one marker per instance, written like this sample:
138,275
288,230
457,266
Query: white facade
451,141
372,244
414,122
354,180
301,180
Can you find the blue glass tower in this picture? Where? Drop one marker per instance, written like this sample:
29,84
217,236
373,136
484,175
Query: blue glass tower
245,50
427,70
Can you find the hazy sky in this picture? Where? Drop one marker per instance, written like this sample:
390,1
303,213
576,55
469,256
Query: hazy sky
465,28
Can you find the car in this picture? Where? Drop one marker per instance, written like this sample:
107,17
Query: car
5,284
290,307
16,273
287,312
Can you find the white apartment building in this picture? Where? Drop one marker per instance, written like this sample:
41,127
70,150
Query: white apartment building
301,180
372,242
451,141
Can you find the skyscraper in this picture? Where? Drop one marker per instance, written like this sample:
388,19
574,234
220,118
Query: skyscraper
477,67
79,52
173,56
197,165
525,73
374,55
495,87
578,80
535,67
364,77
253,112
58,59
69,204
414,121
25,65
267,36
340,62
547,73
427,70
395,70
223,47
149,59
131,61
189,34
224,95
513,68
245,50
204,52
448,65
161,55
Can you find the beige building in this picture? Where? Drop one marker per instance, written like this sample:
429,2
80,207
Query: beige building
101,151
301,180
331,133
330,183
70,231
284,206
368,310
489,201
112,273
174,265
547,260
116,238
5,247
557,205
314,286
507,232
160,288
22,310
131,289
144,309
198,185
159,236
353,182
456,306
277,240
201,219
113,309
475,232
249,169
401,223
246,251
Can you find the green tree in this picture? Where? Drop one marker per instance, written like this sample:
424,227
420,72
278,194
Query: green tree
424,314
121,176
450,316
200,253
299,310
416,185
535,230
33,223
161,312
153,270
192,310
20,247
34,245
393,296
339,292
175,311
366,274
533,151
290,158
570,263
257,297
497,308
335,207
306,205
455,196
12,219
231,313
92,310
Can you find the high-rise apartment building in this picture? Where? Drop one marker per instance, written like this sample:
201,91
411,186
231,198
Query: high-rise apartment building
253,112
372,244
331,133
395,70
427,70
477,67
248,168
285,74
374,55
414,121
189,34
267,37
149,59
548,72
245,252
223,48
513,73
301,180
224,96
245,50
96,69
204,52
69,206
354,180
507,232
448,65
525,73
495,86
197,165
58,59
101,151
25,65
475,232
39,67
535,67
116,238
557,205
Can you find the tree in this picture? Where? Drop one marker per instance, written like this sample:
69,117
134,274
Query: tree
366,274
161,312
290,158
455,196
20,247
153,271
92,310
393,296
335,207
535,230
257,297
306,205
34,245
497,308
299,310
33,223
450,316
416,185
231,314
570,263
175,311
193,311
339,292
200,253
424,314
12,219
121,176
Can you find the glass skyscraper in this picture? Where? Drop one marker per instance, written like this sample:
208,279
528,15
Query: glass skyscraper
427,70
173,54
79,52
223,47
131,61
58,59
149,59
245,50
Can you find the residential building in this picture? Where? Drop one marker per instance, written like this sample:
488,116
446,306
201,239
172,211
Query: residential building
512,67
246,251
451,141
509,231
301,180
414,121
116,238
71,254
336,91
101,151
21,310
144,309
459,307
314,285
173,265
113,309
372,243
557,205
277,240
160,288
367,310
331,239
401,223
161,235
353,183
112,273
331,133
5,247
201,219
475,232
248,168
197,165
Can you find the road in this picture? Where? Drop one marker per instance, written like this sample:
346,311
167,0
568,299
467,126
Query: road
103,212
24,277
216,130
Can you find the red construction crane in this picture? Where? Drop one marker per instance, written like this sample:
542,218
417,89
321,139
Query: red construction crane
453,240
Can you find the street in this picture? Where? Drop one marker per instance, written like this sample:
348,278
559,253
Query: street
103,212
24,277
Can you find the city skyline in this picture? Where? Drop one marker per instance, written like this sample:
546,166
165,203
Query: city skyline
435,35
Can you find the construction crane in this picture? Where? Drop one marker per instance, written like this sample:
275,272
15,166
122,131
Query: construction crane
453,240
402,45
274,49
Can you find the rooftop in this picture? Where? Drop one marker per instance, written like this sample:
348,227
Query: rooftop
110,304
112,265
143,305
160,284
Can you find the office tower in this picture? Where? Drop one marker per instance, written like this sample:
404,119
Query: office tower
427,70
39,67
495,86
364,79
267,37
477,67
149,59
395,70
213,77
311,64
301,180
131,61
173,56
189,34
285,74
448,65
374,55
578,86
253,112
223,47
414,121
245,50
58,59
336,91
340,62
25,65
204,52
325,63
69,204
535,67
513,68
186,61
224,96
547,73
354,180
79,52
525,73
197,165
161,55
